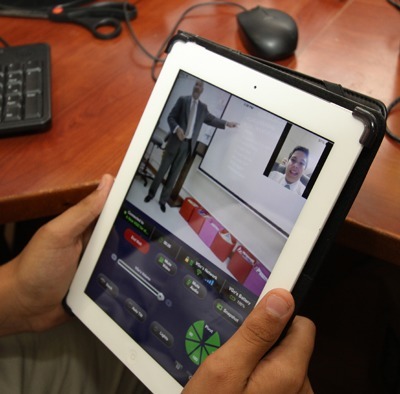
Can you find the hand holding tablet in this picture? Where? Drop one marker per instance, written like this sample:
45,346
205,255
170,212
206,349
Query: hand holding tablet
60,241
241,365
38,278
166,289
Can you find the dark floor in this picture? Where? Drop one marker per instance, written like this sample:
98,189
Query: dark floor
355,304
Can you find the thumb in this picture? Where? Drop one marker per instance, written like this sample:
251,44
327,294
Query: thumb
260,330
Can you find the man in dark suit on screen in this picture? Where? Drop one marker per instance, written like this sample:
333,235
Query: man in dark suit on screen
185,121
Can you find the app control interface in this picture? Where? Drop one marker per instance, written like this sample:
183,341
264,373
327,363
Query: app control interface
178,306
181,278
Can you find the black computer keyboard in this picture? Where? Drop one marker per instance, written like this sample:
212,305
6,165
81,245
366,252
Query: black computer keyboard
25,89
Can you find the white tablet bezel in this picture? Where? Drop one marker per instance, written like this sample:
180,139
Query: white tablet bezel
323,117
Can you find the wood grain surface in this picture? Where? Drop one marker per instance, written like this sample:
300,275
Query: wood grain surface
100,88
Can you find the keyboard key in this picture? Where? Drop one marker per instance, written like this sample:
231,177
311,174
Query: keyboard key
14,88
13,113
15,76
33,65
33,80
13,99
12,67
33,105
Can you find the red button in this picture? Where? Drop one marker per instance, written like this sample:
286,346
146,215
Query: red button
137,241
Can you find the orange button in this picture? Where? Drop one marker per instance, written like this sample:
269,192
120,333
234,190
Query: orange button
137,241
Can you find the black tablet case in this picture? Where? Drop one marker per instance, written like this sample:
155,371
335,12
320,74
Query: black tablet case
370,111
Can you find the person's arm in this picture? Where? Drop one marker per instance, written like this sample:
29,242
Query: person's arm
214,121
33,284
244,365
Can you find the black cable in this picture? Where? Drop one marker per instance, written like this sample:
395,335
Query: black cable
157,58
179,21
4,42
394,3
390,108
133,34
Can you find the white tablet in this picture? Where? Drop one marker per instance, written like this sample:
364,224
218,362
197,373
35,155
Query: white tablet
204,219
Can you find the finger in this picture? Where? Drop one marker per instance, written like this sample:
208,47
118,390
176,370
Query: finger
73,222
259,331
298,343
301,326
290,359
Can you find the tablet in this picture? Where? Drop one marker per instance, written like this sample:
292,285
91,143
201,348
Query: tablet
210,211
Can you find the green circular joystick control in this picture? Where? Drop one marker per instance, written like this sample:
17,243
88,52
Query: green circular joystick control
201,341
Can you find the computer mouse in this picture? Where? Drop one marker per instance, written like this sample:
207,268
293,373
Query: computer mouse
268,33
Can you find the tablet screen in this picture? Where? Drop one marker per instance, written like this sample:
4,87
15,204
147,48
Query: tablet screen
181,280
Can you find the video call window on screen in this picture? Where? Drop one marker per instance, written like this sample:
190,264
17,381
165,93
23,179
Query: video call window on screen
297,159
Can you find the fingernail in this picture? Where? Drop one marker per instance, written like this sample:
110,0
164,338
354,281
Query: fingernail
102,183
277,306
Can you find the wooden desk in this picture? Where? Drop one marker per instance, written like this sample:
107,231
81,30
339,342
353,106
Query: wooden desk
100,89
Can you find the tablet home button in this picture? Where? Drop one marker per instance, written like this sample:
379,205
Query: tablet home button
132,355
